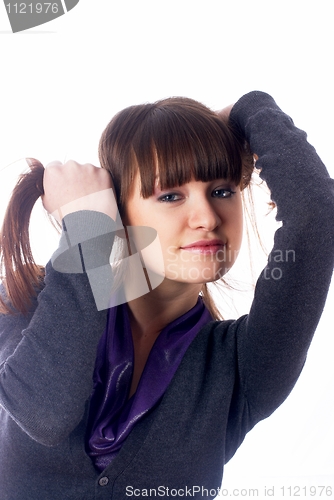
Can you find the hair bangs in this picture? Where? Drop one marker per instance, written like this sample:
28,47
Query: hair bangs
180,142
173,141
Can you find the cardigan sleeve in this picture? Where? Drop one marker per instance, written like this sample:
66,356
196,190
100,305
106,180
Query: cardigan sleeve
47,359
291,291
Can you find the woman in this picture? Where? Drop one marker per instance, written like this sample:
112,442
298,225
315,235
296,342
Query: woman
152,397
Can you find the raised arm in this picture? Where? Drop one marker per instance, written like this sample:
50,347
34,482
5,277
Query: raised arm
291,291
47,358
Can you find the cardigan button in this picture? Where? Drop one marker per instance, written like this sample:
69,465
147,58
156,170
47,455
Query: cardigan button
103,481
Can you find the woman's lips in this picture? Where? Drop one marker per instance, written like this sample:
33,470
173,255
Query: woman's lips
205,246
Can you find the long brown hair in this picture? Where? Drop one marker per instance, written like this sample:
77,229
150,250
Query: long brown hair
180,137
20,274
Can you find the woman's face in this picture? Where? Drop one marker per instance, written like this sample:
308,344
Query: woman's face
199,225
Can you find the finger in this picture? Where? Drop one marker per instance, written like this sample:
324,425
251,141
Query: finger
54,163
225,112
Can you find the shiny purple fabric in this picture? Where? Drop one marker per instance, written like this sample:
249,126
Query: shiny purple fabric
112,414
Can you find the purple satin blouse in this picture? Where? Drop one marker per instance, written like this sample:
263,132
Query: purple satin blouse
112,414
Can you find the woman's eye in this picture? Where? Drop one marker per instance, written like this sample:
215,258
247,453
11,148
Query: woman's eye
223,193
170,197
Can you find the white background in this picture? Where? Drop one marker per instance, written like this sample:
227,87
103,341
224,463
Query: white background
63,81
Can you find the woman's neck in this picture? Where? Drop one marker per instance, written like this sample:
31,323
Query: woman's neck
150,313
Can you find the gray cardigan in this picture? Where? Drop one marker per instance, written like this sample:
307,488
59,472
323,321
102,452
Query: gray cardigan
234,374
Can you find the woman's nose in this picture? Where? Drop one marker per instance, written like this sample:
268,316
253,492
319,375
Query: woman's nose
203,215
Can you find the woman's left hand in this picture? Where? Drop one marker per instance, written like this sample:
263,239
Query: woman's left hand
224,113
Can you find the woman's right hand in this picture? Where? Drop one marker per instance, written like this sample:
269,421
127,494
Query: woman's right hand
72,186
